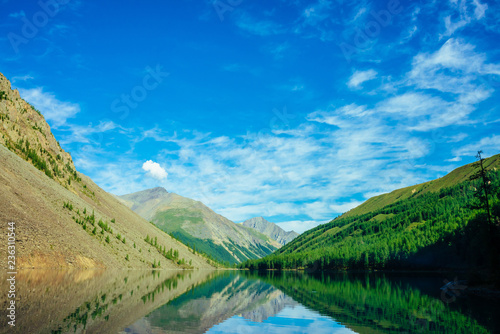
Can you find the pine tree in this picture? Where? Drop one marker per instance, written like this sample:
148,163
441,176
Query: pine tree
483,189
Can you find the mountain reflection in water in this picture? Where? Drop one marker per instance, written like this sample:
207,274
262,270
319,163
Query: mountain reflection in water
243,303
106,301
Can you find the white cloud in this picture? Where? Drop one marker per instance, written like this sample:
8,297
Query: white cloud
154,170
300,226
55,111
456,71
344,207
489,145
480,9
451,27
462,9
413,104
357,79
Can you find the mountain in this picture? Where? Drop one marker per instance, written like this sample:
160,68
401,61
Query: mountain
198,226
271,230
59,216
433,225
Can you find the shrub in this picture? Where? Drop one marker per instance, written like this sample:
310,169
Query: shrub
68,205
107,239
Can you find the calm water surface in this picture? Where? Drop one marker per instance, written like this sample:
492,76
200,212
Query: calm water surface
241,302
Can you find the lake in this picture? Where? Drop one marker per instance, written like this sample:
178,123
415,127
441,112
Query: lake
106,301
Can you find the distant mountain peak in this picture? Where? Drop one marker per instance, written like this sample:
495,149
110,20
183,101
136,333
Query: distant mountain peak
156,190
270,229
147,195
159,190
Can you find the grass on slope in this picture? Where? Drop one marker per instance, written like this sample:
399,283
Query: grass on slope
172,220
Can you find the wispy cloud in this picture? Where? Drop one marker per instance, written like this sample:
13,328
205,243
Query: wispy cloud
456,71
462,13
17,15
359,77
88,134
260,27
489,145
22,78
317,12
55,111
279,50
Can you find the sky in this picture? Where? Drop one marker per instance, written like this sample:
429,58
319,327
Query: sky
294,110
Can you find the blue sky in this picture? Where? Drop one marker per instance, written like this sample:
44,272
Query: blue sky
292,110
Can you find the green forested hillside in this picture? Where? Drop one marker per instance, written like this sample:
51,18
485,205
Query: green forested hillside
428,226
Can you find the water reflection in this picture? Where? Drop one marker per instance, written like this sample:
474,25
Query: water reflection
245,303
386,304
91,301
213,302
104,301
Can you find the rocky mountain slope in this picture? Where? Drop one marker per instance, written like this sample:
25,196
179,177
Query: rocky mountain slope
24,131
198,226
270,229
61,217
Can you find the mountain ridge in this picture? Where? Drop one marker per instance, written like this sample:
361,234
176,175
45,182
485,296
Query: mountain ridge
197,225
272,230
